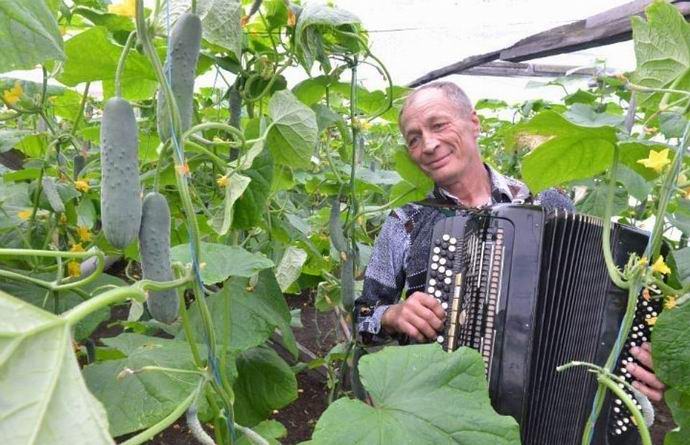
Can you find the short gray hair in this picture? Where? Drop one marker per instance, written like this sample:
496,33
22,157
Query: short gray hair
453,92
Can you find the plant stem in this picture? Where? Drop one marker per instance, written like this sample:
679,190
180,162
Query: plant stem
121,63
613,271
113,296
641,424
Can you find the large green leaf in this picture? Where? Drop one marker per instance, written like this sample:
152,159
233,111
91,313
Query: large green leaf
415,184
671,347
92,56
571,152
662,47
679,402
29,35
236,186
264,383
140,400
254,313
293,133
10,137
44,399
221,261
420,395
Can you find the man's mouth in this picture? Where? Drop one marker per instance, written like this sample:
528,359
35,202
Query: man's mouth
437,162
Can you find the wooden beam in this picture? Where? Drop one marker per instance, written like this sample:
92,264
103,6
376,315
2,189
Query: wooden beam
512,69
605,28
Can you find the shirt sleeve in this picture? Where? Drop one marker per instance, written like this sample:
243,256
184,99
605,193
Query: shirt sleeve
384,279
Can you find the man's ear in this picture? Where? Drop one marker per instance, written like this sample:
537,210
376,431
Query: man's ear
476,125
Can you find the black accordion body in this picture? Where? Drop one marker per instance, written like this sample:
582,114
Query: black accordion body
530,291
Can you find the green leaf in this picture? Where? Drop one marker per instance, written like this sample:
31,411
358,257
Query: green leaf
310,91
221,23
679,402
293,133
595,202
682,260
10,137
671,347
633,183
631,152
44,398
415,184
672,124
237,185
572,152
92,56
290,266
223,261
420,394
585,115
270,430
254,313
14,198
148,141
264,383
138,401
251,207
662,46
29,35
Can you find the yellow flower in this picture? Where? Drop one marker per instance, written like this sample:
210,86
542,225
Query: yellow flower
292,18
223,181
82,186
361,124
83,233
13,95
660,267
657,160
670,302
76,247
24,214
73,269
651,321
125,8
643,261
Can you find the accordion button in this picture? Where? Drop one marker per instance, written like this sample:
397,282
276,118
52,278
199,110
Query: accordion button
432,282
441,269
435,258
444,305
430,290
451,248
444,245
437,249
618,431
433,273
442,261
446,237
440,339
447,280
452,240
438,294
449,273
434,266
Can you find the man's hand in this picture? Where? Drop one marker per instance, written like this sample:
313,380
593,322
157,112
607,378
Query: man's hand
646,382
420,316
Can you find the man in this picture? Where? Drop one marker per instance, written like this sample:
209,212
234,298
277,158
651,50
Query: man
440,128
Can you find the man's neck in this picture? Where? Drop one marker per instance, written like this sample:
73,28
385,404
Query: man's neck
473,189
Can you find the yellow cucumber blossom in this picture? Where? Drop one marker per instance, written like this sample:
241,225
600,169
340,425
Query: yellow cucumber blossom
24,214
660,266
73,269
223,181
82,185
13,95
657,160
83,233
125,8
670,302
76,247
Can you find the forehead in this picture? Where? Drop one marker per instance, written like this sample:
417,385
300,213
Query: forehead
426,104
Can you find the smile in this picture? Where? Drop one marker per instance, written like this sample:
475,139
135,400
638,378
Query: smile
438,162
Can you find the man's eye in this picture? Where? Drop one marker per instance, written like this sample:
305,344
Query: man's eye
438,125
412,141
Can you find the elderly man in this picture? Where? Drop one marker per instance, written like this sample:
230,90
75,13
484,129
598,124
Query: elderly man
440,128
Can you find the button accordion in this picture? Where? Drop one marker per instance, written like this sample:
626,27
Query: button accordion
530,291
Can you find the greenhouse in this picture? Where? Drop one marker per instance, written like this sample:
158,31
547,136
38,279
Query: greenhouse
344,222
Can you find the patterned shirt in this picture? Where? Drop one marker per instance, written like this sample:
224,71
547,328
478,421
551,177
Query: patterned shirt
400,254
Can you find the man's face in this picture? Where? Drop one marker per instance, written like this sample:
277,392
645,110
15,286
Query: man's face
439,138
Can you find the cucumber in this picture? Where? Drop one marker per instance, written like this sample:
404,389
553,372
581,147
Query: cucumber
52,195
120,189
185,44
154,248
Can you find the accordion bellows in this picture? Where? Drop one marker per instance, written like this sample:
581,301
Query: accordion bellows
530,291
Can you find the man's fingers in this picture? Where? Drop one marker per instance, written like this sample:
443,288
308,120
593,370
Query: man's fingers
430,303
430,317
643,354
654,395
422,326
645,377
407,328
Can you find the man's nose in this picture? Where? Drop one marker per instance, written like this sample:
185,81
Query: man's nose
430,143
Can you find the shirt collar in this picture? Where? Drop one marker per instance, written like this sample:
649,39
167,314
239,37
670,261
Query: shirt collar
503,189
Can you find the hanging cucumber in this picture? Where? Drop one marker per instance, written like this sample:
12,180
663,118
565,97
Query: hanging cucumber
154,247
52,195
185,44
120,189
